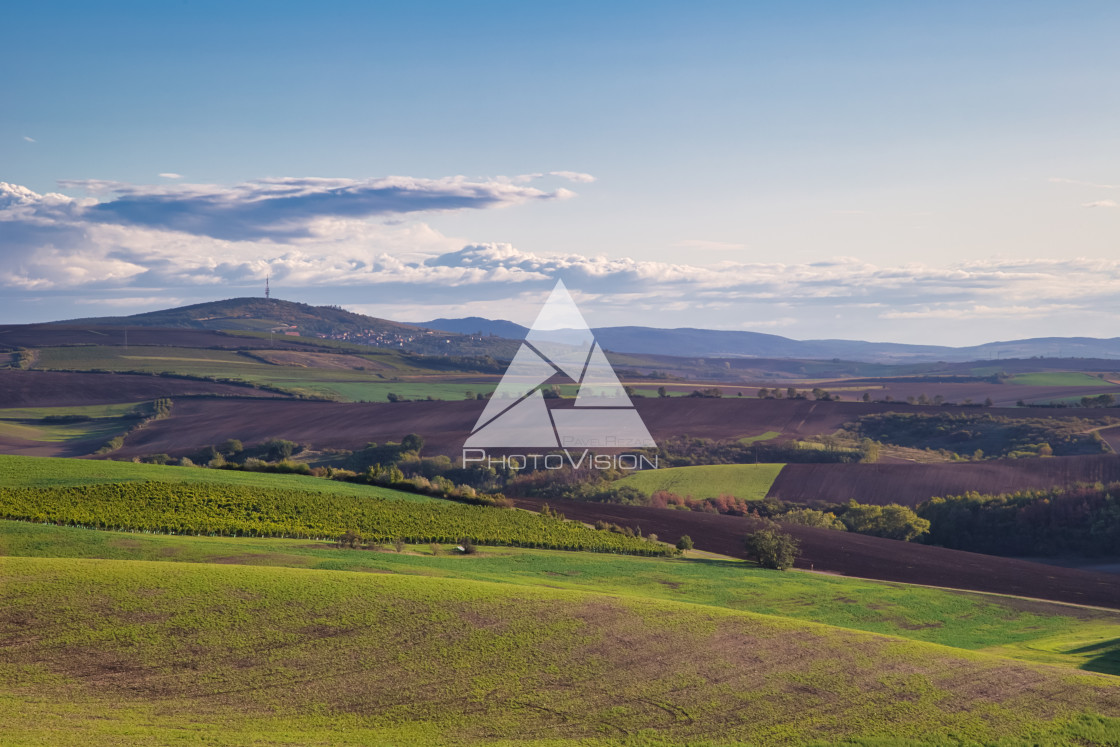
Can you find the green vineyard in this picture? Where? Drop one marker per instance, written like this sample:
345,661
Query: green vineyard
227,510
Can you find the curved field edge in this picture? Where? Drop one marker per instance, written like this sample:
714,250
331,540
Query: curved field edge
1018,628
747,481
156,646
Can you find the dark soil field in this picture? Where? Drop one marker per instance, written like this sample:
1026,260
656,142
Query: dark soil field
445,425
862,556
910,484
325,425
60,389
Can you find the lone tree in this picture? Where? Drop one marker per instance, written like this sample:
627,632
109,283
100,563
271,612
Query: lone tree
684,543
412,442
772,548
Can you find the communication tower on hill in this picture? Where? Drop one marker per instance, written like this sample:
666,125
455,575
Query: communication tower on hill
267,290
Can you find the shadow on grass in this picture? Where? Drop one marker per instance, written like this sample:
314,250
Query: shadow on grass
718,563
1107,660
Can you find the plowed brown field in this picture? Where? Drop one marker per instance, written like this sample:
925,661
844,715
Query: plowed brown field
910,484
866,557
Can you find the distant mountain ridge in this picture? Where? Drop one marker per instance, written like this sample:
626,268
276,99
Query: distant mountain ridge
477,335
714,343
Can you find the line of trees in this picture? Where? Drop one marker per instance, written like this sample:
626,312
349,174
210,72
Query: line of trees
1078,520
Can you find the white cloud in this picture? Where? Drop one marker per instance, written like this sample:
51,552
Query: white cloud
55,242
30,139
1100,203
574,176
284,209
170,175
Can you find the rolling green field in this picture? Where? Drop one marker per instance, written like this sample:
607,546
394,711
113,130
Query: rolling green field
34,424
380,391
112,637
746,481
765,436
1057,378
1036,631
135,652
225,510
299,372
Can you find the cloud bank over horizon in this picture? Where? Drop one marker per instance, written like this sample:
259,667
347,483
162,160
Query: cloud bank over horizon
134,247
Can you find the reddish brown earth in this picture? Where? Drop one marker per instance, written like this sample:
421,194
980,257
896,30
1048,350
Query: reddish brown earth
61,389
445,425
865,557
910,484
326,425
77,448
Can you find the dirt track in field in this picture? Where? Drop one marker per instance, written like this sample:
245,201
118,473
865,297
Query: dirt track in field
861,556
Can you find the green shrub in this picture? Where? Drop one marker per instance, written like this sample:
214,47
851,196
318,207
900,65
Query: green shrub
772,548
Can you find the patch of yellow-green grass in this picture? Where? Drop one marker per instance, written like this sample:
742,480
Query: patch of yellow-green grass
1057,378
1095,647
89,411
101,428
765,436
1012,627
746,481
206,653
298,378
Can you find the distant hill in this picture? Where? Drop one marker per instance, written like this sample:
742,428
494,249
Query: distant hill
477,325
255,314
716,343
325,322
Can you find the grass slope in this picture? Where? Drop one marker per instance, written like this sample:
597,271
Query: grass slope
35,424
133,652
366,376
746,481
1057,378
21,471
224,510
1036,631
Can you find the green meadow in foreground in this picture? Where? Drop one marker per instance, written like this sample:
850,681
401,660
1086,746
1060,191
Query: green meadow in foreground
129,638
138,653
746,481
1018,628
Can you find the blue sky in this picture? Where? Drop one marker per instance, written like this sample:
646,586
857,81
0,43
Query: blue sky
942,173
